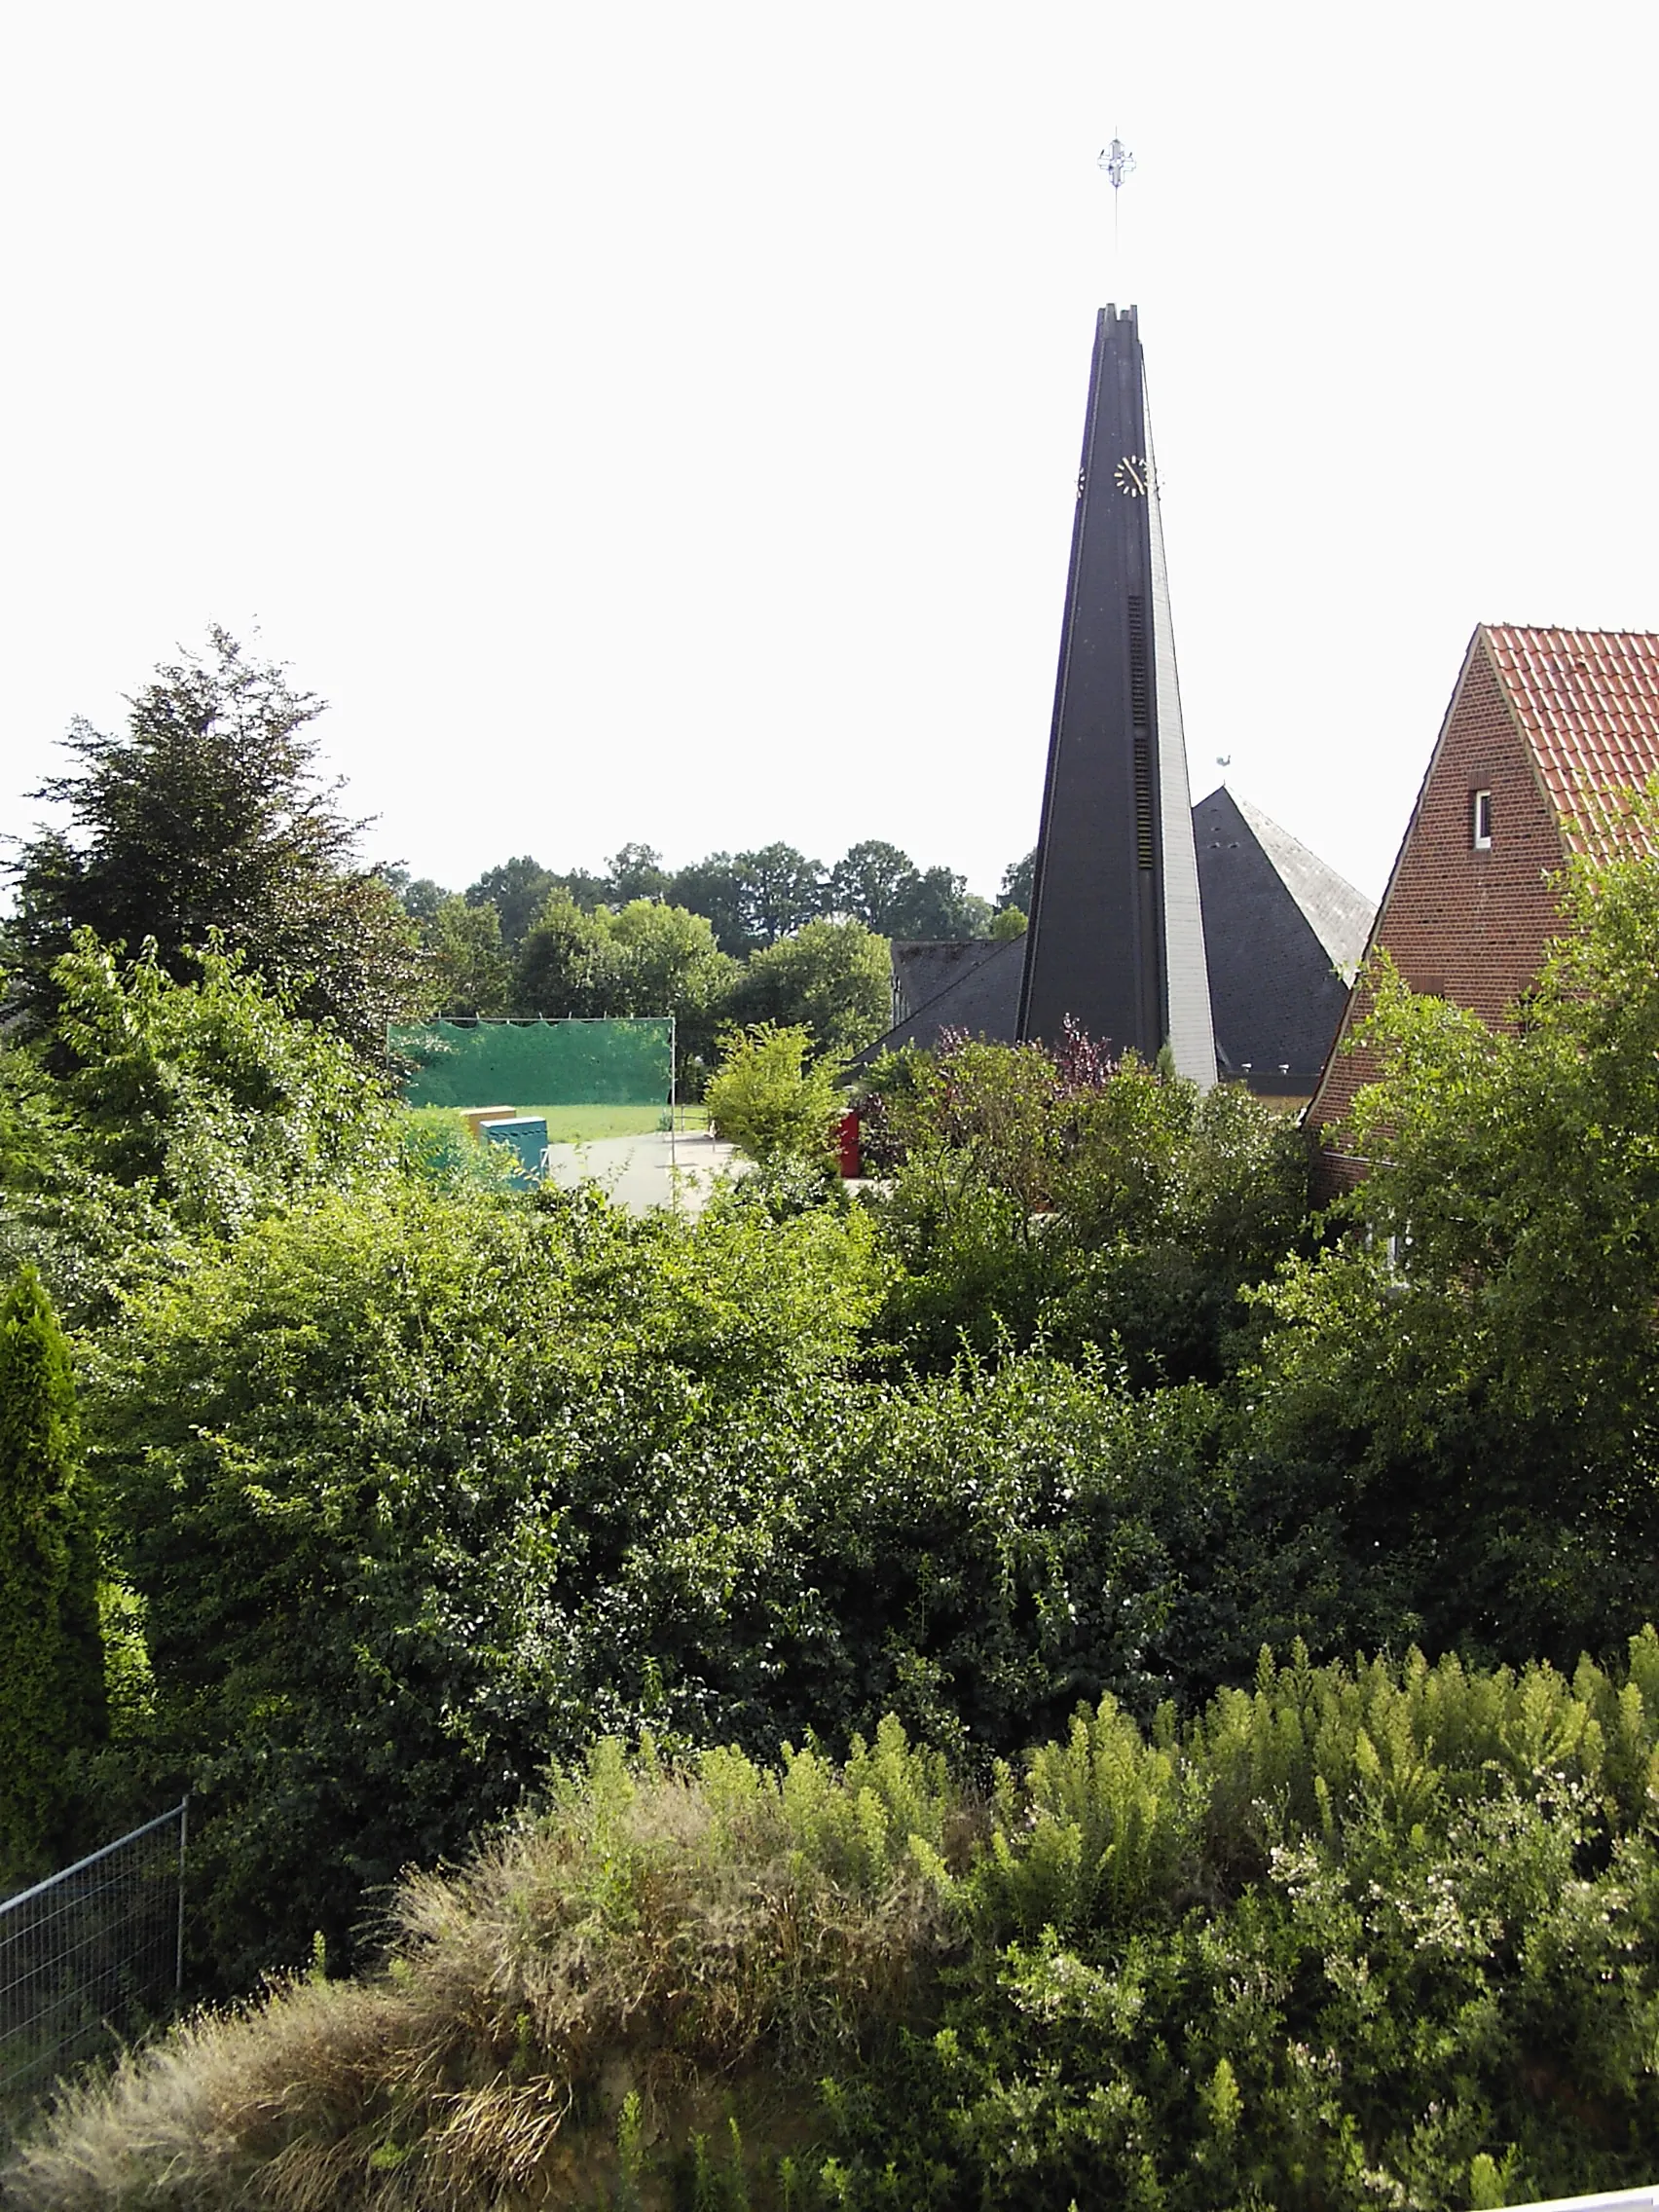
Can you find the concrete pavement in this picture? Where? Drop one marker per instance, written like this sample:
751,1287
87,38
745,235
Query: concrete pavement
646,1171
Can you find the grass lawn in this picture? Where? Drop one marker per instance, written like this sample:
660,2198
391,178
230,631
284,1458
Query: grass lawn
583,1124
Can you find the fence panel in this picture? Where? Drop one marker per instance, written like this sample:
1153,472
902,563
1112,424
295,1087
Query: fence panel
91,1954
534,1064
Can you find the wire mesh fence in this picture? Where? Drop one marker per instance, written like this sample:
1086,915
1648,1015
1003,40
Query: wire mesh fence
91,1955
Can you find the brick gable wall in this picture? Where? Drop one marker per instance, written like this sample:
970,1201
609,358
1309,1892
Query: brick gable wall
1469,925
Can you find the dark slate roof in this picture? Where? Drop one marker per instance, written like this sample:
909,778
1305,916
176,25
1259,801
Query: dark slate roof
1339,915
924,968
1284,934
964,983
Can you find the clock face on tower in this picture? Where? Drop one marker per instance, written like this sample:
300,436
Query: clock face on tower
1129,476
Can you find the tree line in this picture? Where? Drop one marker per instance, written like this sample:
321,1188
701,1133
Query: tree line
210,813
750,900
734,938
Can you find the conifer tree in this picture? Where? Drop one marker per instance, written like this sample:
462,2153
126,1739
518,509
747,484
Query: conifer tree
52,1688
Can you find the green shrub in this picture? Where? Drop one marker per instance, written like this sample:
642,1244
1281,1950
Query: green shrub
1357,1937
1057,1195
213,1093
768,1097
394,1479
52,1687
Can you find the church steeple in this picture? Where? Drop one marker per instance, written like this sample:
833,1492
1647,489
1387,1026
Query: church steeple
1115,937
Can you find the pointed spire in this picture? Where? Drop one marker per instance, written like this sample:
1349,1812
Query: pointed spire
1115,938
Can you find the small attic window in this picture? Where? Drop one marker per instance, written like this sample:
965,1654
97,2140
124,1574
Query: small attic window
1480,821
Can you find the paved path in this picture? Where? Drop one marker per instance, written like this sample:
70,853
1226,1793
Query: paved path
636,1170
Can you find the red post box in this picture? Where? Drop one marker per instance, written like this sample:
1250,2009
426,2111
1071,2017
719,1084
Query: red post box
847,1143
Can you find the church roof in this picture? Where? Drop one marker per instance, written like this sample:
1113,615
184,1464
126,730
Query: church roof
971,985
1587,702
1283,933
1339,915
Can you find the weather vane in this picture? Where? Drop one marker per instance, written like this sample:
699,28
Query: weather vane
1118,163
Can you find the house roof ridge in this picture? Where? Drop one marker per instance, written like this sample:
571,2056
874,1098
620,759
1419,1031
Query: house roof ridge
1587,704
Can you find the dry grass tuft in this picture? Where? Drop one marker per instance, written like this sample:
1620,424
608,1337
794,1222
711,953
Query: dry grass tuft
656,1946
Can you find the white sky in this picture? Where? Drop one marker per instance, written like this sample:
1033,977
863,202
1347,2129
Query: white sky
661,421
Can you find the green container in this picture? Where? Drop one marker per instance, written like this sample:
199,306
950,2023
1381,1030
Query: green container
525,1136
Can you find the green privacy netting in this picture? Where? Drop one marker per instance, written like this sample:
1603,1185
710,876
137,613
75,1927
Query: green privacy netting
536,1064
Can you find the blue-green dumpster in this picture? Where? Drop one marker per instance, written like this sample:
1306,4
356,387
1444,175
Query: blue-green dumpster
525,1136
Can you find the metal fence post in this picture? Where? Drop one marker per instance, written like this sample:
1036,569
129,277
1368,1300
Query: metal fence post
183,1842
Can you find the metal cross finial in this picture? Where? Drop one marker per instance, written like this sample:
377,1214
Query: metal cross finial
1118,163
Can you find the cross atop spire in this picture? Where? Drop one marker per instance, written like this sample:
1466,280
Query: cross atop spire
1118,163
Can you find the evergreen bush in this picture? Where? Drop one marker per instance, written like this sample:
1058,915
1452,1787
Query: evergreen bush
52,1689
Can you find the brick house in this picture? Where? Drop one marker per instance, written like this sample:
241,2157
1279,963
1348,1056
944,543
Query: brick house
1546,733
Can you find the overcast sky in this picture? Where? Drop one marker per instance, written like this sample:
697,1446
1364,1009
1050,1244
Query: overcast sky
661,421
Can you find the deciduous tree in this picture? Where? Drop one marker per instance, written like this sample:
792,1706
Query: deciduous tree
937,906
648,959
833,978
635,873
518,889
566,966
1019,882
780,891
471,971
871,882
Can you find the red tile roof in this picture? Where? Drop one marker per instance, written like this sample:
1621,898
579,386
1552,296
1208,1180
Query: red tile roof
1588,704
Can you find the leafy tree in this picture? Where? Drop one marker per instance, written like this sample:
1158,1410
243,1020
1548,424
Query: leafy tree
518,889
651,958
752,898
1018,883
590,892
770,1097
567,965
1008,923
208,814
50,1645
471,973
422,897
635,873
667,962
832,979
1469,1388
880,886
871,882
780,891
1518,1169
715,887
937,906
